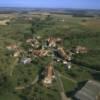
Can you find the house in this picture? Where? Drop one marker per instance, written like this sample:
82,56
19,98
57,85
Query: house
61,53
36,53
34,45
12,47
26,60
40,53
34,42
80,49
58,40
51,42
90,91
17,53
38,37
29,40
48,76
68,64
65,62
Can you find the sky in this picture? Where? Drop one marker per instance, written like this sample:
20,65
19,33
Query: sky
83,4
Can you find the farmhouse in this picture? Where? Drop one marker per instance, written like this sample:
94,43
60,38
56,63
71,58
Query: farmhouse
48,75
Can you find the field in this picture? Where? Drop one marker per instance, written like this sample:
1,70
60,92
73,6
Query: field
74,31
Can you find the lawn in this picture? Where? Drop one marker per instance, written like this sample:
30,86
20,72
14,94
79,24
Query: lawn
9,96
68,85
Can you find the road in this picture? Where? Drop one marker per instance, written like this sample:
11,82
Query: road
13,66
29,85
70,79
60,86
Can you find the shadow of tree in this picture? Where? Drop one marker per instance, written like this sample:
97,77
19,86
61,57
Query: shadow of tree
96,76
79,86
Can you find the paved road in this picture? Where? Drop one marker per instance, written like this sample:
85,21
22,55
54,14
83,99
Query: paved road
60,86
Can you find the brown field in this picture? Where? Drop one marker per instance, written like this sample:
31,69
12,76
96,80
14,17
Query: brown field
5,16
92,24
4,22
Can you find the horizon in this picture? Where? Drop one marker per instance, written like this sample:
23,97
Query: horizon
49,8
67,4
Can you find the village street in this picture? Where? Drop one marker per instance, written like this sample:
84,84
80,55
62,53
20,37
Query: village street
60,86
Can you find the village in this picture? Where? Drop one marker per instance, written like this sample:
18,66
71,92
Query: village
50,47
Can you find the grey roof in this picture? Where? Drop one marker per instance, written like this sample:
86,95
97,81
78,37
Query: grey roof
89,92
26,60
